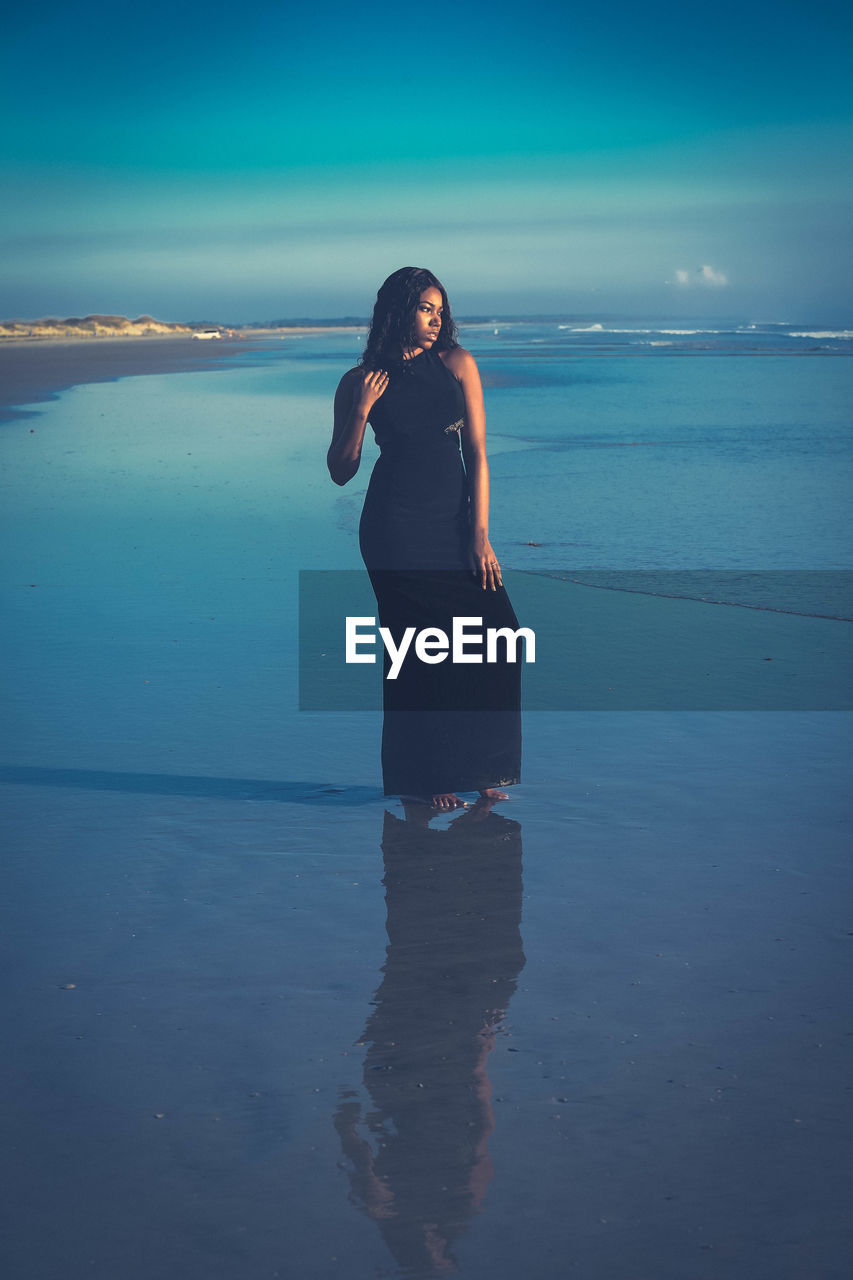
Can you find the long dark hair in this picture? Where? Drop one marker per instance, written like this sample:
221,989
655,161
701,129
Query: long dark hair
392,329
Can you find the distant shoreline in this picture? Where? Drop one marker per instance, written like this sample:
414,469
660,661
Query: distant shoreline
234,335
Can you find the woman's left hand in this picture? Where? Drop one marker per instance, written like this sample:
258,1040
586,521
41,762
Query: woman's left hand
484,563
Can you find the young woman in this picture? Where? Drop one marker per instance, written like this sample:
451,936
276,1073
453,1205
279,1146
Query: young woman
424,538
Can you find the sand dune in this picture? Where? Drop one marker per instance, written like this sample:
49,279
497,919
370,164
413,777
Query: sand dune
94,326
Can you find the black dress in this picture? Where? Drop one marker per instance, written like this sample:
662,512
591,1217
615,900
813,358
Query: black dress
448,726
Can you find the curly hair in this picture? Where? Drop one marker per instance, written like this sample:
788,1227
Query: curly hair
392,329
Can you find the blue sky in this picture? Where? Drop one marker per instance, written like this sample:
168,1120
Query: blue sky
212,161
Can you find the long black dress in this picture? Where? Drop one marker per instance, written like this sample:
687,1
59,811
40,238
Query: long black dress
447,727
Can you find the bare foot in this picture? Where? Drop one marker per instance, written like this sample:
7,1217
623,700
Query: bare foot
445,800
448,800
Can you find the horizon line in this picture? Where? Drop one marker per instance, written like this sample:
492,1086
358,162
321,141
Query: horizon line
365,322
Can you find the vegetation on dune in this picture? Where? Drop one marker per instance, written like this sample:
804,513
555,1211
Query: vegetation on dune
95,326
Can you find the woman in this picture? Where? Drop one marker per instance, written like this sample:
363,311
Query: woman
424,537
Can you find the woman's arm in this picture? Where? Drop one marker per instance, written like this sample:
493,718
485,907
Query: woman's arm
356,395
483,559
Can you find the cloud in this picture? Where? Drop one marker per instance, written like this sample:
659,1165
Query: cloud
707,276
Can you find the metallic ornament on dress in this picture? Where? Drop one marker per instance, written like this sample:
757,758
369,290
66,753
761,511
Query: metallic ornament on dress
454,426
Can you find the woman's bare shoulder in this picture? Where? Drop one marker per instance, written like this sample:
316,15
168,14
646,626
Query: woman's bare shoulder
459,361
349,377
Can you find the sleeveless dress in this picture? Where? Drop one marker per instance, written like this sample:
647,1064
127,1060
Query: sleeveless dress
447,726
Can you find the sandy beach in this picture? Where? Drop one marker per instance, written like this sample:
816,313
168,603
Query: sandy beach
35,371
264,1022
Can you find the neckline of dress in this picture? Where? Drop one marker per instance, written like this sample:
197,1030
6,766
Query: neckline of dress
422,352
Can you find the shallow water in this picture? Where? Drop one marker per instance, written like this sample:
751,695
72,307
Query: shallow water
624,1054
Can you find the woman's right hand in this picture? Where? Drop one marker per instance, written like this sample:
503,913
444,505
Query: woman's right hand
368,389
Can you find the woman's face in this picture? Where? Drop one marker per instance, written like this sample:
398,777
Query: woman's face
428,316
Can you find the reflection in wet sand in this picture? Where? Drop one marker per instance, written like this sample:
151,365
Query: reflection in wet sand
417,1153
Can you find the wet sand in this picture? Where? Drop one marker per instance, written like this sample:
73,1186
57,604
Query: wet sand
34,371
270,1027
262,1022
